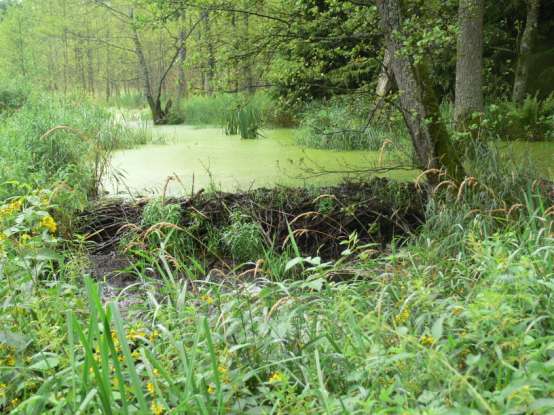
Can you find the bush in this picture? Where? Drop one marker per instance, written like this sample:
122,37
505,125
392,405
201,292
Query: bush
243,238
334,125
533,120
12,98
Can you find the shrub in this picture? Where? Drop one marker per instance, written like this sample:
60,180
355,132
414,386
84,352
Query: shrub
333,125
533,120
243,238
12,98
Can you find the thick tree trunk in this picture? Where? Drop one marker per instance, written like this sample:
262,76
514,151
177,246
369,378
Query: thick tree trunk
469,62
525,51
417,100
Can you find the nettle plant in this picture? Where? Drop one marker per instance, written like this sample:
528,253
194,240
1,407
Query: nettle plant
27,235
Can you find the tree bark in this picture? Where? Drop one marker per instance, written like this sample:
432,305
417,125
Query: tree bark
154,103
469,61
210,73
181,81
418,102
525,50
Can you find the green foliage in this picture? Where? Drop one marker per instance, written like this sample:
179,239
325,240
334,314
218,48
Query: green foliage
218,109
533,120
245,121
243,238
61,143
471,331
335,125
12,98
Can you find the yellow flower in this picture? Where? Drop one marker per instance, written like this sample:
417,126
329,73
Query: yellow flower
49,223
3,388
402,317
276,377
150,388
224,373
10,361
154,335
207,299
14,402
156,372
135,334
211,389
24,238
136,355
11,208
156,408
427,340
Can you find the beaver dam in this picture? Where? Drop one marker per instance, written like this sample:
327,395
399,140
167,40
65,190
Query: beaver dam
226,229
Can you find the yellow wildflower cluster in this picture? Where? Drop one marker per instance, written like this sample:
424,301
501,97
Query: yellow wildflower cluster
150,388
427,340
156,408
207,299
211,389
276,377
10,360
403,316
135,334
154,335
224,373
49,223
10,208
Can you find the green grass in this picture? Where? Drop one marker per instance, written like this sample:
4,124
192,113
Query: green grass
458,319
214,110
416,332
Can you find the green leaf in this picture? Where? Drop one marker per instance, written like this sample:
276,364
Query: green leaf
46,363
437,328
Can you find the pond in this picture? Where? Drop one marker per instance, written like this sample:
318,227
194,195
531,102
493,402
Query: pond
206,157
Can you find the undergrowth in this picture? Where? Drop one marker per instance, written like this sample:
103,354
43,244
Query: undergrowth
458,319
337,125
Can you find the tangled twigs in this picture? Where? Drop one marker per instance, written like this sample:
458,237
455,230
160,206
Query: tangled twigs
319,219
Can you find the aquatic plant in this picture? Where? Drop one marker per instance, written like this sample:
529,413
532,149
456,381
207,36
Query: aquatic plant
245,121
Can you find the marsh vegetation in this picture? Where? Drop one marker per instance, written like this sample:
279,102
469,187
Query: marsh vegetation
276,207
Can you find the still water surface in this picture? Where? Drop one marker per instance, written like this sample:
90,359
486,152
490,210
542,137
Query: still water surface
203,157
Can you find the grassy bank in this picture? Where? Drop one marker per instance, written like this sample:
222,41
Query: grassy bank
456,318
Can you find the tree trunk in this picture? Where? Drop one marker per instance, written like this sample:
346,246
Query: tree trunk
525,51
208,80
249,78
418,103
154,103
181,81
469,61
